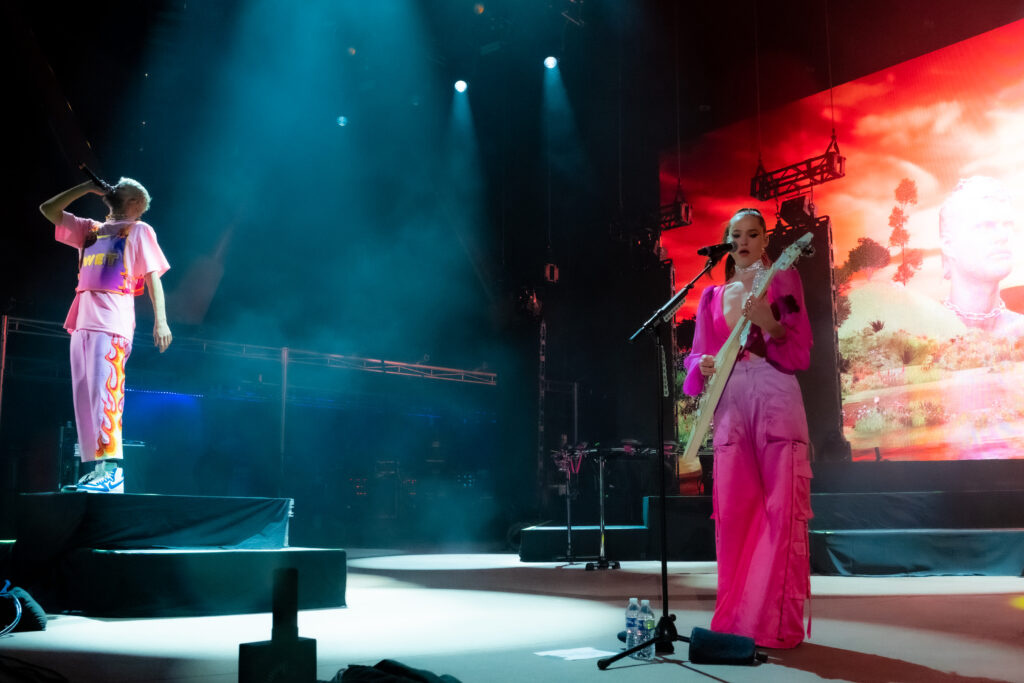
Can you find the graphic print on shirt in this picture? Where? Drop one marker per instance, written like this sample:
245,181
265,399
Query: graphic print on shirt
104,268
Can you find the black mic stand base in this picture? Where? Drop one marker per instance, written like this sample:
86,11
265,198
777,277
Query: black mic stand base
602,563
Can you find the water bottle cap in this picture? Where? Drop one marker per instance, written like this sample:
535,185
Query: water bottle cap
645,602
633,599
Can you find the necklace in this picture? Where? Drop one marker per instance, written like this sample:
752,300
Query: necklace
759,271
754,267
976,317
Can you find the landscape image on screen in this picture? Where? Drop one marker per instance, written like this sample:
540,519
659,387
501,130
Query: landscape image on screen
926,227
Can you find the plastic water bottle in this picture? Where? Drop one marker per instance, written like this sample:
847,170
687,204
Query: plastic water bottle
645,631
632,616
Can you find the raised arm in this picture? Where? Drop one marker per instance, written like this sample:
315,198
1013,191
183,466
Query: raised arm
161,332
53,208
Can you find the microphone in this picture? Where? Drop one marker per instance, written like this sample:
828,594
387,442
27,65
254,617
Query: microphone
717,250
107,187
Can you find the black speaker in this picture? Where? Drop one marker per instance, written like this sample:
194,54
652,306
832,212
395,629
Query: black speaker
285,658
271,661
710,647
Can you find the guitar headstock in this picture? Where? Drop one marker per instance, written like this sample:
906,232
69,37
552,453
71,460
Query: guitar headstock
793,252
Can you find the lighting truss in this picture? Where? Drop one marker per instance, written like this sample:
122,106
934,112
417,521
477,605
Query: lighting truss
800,176
648,228
270,353
678,214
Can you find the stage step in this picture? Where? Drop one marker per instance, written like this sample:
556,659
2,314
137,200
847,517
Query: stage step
918,510
49,521
887,533
193,582
151,555
549,543
918,552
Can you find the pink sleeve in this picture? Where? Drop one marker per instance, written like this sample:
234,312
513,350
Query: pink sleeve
793,351
703,343
147,257
71,230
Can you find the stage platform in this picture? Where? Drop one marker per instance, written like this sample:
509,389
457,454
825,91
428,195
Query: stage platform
151,555
974,526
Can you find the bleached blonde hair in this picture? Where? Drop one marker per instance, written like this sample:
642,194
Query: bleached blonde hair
138,189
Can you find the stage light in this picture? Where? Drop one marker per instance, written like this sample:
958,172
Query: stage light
342,121
550,62
460,86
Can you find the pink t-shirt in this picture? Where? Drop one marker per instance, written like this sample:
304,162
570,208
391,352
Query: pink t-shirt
103,311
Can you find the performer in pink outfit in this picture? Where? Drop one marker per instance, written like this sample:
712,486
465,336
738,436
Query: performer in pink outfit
118,259
761,497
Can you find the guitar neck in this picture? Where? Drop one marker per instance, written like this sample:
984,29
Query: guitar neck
725,359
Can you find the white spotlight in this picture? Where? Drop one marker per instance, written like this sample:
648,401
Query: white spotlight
460,86
551,62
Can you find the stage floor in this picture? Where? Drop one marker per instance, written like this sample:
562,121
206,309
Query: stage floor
483,617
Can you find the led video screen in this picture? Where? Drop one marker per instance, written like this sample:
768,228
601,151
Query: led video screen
928,264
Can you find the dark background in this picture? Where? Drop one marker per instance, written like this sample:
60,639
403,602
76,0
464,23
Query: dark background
390,237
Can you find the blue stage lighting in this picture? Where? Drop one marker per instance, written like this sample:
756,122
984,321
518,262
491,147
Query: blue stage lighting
342,120
460,86
550,62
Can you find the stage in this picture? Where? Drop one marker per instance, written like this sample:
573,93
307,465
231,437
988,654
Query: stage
410,248
483,617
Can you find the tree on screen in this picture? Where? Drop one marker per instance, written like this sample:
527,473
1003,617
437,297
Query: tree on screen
867,257
910,259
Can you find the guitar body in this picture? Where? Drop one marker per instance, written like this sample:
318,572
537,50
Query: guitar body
726,357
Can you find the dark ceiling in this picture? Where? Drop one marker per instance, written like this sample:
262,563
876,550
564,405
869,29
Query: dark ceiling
640,75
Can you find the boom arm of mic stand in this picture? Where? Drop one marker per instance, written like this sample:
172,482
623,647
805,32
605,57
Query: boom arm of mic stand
665,313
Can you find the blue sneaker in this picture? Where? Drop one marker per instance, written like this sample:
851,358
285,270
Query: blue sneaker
99,481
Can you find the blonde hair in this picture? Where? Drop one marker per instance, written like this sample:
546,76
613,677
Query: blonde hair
137,190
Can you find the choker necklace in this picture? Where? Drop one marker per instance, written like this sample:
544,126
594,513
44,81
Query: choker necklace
759,271
976,317
755,267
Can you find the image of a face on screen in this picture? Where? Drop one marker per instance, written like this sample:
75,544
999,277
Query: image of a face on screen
927,241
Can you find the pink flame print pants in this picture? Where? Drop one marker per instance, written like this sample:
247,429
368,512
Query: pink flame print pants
97,388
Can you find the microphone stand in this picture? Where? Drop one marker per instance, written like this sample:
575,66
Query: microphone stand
666,633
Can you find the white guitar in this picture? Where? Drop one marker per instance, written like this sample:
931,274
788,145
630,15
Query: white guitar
726,357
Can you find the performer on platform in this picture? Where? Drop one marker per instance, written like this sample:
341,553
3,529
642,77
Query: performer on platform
761,494
118,259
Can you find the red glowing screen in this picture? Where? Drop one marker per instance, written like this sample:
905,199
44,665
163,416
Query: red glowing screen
930,332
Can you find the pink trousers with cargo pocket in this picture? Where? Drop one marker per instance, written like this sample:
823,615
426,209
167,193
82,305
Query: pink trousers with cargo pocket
761,502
